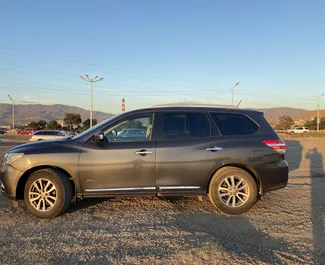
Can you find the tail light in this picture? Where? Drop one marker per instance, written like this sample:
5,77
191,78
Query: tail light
277,145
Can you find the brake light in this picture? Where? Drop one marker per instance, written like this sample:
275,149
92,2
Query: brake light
277,145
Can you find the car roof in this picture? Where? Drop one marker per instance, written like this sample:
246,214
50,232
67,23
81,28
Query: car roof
207,108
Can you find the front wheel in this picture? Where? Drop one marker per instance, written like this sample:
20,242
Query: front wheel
233,190
48,193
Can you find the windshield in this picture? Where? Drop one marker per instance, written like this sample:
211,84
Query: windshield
96,126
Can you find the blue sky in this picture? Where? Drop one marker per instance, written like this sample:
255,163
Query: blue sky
153,52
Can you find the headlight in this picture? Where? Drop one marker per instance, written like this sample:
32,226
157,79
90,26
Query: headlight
11,158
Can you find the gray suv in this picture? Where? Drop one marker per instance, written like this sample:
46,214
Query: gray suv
232,155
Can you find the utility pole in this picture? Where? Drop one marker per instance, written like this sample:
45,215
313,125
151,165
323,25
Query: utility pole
232,94
123,104
318,119
13,113
91,81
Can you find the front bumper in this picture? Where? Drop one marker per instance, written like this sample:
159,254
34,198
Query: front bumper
9,180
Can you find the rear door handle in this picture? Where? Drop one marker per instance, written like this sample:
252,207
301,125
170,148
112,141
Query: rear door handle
214,149
143,152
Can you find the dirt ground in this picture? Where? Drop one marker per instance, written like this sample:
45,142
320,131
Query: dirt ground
286,227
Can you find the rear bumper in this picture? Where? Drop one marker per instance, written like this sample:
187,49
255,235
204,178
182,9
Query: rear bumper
8,182
274,177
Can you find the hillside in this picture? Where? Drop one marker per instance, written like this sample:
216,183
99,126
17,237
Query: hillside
33,112
275,113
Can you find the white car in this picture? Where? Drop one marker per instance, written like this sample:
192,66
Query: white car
48,135
298,130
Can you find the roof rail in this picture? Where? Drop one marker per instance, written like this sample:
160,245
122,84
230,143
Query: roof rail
194,105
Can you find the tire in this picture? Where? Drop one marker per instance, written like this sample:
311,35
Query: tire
39,140
292,133
62,193
218,186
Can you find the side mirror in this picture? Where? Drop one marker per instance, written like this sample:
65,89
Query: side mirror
99,137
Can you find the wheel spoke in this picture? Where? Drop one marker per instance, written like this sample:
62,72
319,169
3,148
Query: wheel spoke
240,182
227,182
44,206
232,181
224,194
47,186
223,189
228,201
41,184
240,198
52,189
243,187
51,197
34,199
242,193
38,207
49,202
233,200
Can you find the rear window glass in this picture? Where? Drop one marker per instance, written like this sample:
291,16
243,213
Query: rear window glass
234,124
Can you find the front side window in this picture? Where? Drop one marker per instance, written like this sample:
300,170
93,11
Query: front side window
136,128
185,125
233,124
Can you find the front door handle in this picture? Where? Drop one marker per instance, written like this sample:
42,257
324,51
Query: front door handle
143,152
214,149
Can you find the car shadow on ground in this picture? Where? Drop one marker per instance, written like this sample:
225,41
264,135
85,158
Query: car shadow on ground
315,171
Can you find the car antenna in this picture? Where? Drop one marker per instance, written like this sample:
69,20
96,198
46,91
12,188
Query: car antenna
239,103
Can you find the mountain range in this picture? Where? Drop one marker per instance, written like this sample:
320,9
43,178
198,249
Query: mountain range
33,112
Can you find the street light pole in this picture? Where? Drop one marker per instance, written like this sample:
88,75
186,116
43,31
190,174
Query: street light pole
232,94
318,119
91,81
13,113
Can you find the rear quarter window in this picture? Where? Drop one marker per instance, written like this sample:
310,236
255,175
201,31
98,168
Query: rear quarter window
234,124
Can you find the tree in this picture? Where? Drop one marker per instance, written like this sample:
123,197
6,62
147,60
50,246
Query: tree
53,125
41,124
312,124
86,124
72,119
33,124
285,122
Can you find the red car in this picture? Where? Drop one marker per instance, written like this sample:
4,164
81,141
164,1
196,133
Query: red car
26,131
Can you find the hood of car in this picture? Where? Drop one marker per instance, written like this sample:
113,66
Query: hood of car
37,147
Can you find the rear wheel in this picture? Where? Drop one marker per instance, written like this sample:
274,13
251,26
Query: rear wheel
233,190
48,193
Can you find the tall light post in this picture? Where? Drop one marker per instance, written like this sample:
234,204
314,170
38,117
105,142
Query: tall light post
232,94
91,81
13,113
318,119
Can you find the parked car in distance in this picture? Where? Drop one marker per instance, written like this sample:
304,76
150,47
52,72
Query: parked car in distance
232,155
48,135
26,131
3,130
298,130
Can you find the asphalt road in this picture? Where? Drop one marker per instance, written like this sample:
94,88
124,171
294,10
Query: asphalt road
286,227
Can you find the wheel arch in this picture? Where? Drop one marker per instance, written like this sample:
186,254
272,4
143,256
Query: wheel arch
23,179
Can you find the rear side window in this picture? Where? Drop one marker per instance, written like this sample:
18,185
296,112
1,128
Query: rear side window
234,124
185,125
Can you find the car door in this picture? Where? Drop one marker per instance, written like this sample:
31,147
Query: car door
189,151
121,164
